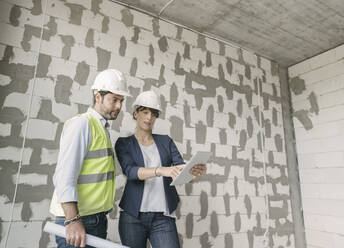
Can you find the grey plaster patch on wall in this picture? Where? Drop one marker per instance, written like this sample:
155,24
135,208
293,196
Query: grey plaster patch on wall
204,240
239,107
279,212
259,142
314,103
250,238
274,68
302,116
258,230
229,66
297,85
223,136
123,46
228,240
37,7
210,116
103,59
45,111
249,125
279,143
187,114
29,32
45,238
43,65
179,32
156,27
52,29
220,103
14,15
105,24
222,48
82,108
26,212
236,187
127,17
151,54
89,41
135,37
188,188
189,225
176,129
95,6
149,82
214,224
242,140
76,11
226,201
82,73
173,94
130,99
248,205
201,132
63,89
274,116
201,42
267,126
68,42
237,222
163,107
116,125
248,72
274,89
204,205
133,67
163,45
208,59
231,120
186,54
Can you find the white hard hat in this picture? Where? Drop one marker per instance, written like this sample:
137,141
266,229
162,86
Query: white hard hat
148,99
111,80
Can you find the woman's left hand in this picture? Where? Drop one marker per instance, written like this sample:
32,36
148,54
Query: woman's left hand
198,170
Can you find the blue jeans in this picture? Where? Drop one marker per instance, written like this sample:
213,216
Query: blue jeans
161,230
95,224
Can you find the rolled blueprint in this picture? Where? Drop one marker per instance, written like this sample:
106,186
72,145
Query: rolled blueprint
90,239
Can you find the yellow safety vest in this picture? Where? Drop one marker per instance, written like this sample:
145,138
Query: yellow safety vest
96,182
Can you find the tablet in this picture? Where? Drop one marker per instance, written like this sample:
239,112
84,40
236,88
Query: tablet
185,176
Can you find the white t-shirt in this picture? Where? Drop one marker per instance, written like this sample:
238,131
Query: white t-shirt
153,199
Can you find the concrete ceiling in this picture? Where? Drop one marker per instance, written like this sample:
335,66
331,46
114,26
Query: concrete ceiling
287,31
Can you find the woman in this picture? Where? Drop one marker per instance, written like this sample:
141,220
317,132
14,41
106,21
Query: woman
150,162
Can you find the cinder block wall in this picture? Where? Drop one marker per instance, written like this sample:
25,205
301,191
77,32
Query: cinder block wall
210,98
317,89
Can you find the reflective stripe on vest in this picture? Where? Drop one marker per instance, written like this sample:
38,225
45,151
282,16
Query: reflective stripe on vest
95,178
99,153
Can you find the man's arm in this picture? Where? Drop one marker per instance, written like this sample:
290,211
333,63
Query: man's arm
74,145
75,231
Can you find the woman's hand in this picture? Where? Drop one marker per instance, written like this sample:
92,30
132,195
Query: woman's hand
198,170
171,171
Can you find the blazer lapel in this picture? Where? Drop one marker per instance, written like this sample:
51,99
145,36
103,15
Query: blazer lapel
138,157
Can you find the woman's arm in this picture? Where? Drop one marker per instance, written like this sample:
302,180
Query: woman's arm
171,171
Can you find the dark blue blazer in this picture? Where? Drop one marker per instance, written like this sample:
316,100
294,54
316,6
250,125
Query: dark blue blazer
130,158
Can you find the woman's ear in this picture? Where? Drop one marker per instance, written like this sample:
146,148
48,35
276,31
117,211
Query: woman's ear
134,115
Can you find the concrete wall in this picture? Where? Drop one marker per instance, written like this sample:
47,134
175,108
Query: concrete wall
317,87
210,96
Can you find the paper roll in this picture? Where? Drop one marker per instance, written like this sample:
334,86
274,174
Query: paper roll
90,239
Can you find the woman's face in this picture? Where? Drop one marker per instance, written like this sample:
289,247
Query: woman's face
145,119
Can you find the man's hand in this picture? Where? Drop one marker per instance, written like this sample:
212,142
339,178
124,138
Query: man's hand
198,170
75,231
76,234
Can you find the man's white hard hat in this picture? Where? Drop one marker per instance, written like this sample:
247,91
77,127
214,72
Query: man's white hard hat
148,99
111,80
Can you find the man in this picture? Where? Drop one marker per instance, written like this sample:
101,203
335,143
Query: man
84,179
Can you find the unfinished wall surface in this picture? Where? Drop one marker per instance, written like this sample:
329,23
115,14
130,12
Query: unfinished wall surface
317,90
215,97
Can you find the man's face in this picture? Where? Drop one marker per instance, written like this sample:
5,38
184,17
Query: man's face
109,105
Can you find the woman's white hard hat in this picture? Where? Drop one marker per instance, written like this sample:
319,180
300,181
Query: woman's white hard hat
111,80
148,99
